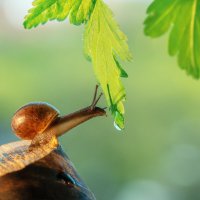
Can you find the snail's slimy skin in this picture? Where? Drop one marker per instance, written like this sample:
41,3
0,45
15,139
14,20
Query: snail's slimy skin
66,123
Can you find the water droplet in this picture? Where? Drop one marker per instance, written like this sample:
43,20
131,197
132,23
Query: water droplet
117,127
119,121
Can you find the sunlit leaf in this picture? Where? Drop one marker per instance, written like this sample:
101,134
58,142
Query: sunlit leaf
183,18
43,11
104,44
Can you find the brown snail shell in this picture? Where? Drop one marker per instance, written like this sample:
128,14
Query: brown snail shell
32,119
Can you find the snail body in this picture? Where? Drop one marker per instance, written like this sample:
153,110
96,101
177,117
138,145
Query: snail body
41,118
40,123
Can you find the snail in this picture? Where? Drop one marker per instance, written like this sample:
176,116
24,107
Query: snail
39,125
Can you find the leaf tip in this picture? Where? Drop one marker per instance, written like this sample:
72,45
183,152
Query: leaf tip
119,121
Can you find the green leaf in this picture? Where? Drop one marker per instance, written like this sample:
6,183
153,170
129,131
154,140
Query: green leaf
104,43
183,18
79,11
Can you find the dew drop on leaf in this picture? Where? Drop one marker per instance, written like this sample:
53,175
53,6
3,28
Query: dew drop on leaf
119,121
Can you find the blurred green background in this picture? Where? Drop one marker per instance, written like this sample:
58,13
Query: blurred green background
157,156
